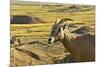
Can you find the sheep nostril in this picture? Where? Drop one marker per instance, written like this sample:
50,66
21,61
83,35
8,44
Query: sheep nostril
49,39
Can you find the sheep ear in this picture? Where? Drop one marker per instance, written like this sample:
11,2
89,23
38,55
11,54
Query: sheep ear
57,21
65,26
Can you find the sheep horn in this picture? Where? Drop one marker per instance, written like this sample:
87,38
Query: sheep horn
65,19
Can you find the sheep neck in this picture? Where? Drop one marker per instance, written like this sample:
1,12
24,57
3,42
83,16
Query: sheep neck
68,37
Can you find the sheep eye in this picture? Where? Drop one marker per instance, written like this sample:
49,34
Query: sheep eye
59,29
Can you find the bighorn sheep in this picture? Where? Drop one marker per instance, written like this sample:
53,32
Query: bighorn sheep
82,48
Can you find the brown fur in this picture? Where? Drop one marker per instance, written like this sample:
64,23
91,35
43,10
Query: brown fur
82,48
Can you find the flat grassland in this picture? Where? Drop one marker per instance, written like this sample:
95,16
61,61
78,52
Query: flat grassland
82,14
